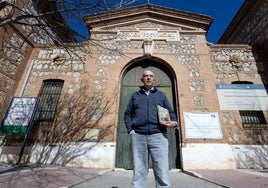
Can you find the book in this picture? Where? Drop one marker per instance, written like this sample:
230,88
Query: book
163,114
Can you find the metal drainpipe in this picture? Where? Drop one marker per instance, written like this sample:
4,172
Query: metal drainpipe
26,78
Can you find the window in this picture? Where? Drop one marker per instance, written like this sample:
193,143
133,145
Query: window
49,97
252,117
242,82
248,116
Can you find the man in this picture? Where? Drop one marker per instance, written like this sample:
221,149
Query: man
148,136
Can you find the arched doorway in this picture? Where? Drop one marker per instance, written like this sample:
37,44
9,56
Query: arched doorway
130,83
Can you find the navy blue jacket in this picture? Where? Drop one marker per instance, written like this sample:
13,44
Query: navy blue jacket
141,113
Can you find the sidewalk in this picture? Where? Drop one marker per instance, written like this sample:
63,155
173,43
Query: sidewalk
44,176
73,177
187,179
238,178
121,178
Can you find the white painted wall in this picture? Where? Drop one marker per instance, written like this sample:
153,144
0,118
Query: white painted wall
208,156
81,154
102,155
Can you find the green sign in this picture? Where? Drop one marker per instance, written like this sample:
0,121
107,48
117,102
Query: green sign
18,116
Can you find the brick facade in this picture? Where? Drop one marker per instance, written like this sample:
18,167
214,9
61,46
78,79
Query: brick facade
119,39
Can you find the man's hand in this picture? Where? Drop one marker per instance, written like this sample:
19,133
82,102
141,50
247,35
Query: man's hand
169,124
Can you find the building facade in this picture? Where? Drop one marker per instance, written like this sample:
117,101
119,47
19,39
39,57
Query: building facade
218,91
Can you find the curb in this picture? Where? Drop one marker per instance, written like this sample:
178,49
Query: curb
197,175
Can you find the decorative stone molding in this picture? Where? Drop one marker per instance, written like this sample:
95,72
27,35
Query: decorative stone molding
18,42
196,85
198,99
12,56
176,48
99,84
254,76
37,34
224,67
118,47
107,58
49,66
193,72
73,88
188,59
225,54
68,64
145,39
13,53
188,39
6,82
61,59
110,52
236,62
7,67
148,47
228,118
102,70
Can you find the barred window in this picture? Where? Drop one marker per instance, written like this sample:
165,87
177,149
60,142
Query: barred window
252,117
49,97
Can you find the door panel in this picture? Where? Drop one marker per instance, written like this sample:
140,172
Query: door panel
123,144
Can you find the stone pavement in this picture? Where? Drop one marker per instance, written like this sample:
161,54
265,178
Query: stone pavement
33,176
122,179
44,176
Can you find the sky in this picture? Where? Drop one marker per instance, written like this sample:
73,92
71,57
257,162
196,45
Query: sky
222,12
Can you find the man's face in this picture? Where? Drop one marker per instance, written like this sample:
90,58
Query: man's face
148,79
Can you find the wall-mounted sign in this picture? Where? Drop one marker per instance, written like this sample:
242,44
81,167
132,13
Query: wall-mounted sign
242,96
18,116
204,125
92,134
148,34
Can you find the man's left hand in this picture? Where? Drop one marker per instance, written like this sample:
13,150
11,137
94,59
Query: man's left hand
169,124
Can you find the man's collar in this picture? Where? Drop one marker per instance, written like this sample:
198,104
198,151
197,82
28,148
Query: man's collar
151,90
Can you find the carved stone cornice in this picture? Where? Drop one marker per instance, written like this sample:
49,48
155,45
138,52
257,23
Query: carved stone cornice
113,19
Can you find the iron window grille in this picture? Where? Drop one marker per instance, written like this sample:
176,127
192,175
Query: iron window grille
49,98
252,117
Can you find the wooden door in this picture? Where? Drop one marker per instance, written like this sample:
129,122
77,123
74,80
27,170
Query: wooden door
130,83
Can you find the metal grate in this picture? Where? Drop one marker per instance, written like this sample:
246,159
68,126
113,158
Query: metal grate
252,117
49,97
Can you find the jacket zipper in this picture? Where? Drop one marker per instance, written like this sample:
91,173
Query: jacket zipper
148,102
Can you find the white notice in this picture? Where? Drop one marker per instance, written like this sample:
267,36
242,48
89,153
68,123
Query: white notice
242,96
202,125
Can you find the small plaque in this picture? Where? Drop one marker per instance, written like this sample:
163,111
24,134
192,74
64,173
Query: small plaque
92,134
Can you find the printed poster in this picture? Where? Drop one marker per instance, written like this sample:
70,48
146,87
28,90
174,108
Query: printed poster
242,96
18,116
202,125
